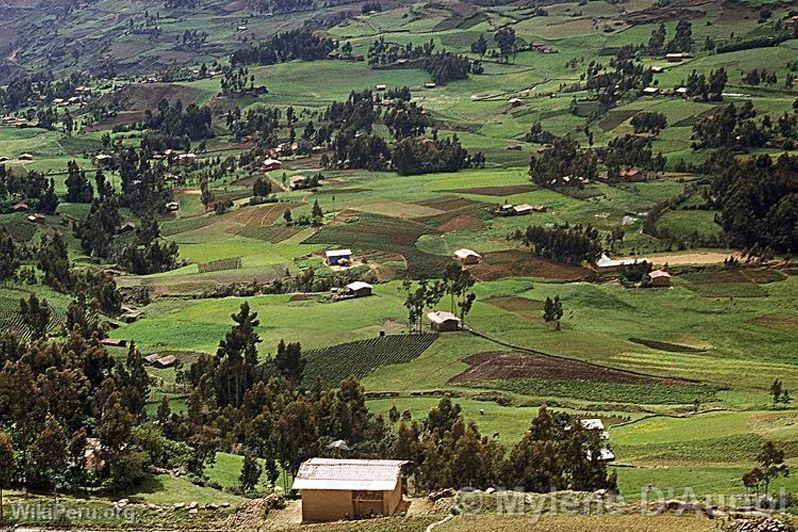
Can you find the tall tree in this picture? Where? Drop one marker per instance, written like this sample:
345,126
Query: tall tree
505,39
36,314
9,255
553,311
480,46
250,473
6,467
237,357
289,361
48,203
78,187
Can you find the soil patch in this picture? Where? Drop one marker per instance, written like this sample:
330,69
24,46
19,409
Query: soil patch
765,276
143,96
449,203
350,190
511,365
518,263
461,222
784,322
507,190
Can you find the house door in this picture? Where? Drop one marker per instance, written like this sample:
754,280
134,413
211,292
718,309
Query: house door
367,503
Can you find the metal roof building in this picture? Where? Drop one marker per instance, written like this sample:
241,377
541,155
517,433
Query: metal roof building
335,489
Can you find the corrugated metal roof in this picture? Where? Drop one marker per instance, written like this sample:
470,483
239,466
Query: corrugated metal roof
348,474
338,253
441,316
464,253
358,285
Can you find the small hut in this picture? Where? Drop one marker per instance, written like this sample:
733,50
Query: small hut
441,321
339,489
467,256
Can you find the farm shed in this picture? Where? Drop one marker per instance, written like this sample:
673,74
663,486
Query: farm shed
355,289
441,321
165,362
125,228
25,157
297,182
678,57
605,263
516,102
173,206
270,164
187,159
336,489
381,87
525,208
659,279
36,218
338,256
113,342
430,85
20,207
104,160
467,256
152,359
651,91
631,174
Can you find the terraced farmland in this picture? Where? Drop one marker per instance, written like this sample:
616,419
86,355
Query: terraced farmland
335,363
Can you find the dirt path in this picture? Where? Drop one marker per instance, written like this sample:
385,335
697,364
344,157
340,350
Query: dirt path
686,258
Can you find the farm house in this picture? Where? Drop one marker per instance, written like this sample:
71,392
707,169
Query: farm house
607,264
270,164
354,290
678,57
441,321
297,182
165,362
113,342
338,257
631,174
659,279
335,489
467,256
605,454
104,160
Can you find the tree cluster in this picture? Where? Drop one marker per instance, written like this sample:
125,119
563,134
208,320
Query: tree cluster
563,164
563,243
758,202
283,47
